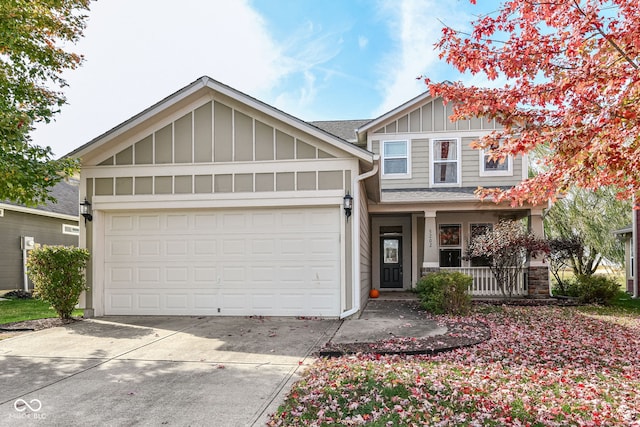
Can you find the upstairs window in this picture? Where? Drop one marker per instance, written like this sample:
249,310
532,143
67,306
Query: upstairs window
395,159
445,162
494,167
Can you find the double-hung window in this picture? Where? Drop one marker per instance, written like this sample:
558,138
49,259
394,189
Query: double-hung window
395,159
490,166
445,162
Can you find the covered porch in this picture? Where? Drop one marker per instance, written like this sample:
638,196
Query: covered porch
409,245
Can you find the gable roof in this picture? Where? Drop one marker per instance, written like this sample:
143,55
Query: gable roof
206,83
66,194
396,111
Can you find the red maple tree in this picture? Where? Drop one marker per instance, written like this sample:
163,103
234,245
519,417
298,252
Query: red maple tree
572,70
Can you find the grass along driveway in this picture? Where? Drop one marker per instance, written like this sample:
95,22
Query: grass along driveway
543,366
18,310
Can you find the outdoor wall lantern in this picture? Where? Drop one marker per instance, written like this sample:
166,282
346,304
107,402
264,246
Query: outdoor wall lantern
348,204
85,210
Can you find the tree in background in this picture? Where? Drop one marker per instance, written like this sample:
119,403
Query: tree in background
33,34
589,217
506,247
572,70
561,252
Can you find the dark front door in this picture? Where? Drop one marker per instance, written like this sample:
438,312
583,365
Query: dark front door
391,262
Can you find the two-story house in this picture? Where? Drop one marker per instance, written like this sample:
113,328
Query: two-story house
427,212
211,202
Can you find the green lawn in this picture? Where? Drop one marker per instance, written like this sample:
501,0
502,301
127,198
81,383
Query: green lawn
17,310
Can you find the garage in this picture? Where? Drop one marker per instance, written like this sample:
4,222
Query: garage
269,261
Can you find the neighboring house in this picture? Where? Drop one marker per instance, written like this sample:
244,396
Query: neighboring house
212,202
630,236
48,224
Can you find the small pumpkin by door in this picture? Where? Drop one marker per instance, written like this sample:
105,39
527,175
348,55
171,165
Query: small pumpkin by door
374,293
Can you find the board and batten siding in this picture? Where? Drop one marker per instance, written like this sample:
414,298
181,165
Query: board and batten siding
219,148
430,121
433,116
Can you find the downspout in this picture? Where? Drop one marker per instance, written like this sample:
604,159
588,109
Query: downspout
355,283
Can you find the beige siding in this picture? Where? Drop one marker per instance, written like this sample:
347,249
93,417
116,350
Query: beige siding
202,129
164,145
243,125
203,184
305,151
219,133
285,181
433,116
243,183
124,186
183,184
144,151
183,140
264,182
223,183
306,180
104,186
222,133
470,163
125,157
215,133
163,185
366,263
264,142
329,180
285,149
144,185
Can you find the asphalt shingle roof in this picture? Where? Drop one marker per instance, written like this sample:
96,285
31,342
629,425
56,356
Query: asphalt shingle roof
66,194
345,129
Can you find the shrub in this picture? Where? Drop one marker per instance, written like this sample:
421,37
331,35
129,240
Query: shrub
590,289
506,247
58,275
596,289
445,292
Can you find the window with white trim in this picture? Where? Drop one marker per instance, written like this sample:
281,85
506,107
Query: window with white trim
495,167
395,159
74,230
445,162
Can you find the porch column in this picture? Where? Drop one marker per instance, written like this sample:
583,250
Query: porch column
538,272
431,258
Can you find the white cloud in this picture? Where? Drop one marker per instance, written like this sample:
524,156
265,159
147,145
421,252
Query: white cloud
414,27
138,52
362,42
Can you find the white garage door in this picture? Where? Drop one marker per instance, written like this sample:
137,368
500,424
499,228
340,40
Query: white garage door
277,262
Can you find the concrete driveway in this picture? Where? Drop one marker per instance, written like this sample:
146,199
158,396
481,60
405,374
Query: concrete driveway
175,371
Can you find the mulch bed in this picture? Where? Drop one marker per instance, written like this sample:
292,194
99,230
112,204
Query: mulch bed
459,334
9,330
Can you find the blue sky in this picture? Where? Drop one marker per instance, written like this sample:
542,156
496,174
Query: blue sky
316,60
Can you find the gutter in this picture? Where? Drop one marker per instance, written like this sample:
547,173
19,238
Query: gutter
355,283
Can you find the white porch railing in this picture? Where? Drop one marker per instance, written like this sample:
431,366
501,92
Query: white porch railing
484,284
